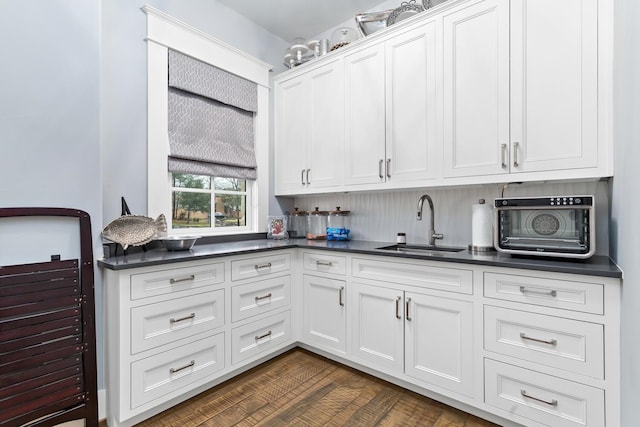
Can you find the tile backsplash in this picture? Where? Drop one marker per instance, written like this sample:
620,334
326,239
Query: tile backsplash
379,216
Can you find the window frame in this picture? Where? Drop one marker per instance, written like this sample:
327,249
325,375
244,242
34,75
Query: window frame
165,32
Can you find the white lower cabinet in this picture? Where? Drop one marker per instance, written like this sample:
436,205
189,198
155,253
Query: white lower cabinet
324,313
543,399
427,337
533,348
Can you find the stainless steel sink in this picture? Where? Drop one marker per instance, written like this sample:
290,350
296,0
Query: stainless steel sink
421,249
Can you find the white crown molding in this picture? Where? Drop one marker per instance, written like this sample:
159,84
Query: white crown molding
170,32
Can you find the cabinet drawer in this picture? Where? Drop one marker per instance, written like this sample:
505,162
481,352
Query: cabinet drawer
543,398
172,280
257,337
324,263
565,294
260,266
553,341
188,365
446,279
165,322
260,297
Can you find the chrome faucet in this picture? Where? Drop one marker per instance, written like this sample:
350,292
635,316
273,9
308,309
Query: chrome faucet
432,232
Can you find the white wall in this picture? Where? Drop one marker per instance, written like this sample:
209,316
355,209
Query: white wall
625,238
49,126
380,216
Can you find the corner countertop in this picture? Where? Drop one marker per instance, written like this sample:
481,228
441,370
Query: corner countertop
597,265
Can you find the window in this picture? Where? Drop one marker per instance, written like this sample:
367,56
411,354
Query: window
198,201
202,202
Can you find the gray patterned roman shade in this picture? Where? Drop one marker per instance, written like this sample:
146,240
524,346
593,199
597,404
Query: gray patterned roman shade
210,120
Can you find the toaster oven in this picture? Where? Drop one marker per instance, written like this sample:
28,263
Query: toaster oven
560,226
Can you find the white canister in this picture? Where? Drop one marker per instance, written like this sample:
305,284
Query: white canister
481,227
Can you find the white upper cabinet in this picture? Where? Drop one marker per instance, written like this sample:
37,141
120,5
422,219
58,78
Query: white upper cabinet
412,93
554,85
310,130
470,92
365,116
476,88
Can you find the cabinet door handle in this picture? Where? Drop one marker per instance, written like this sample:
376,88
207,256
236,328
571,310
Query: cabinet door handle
182,319
552,402
302,176
341,296
324,263
259,337
550,342
398,299
388,168
182,368
182,279
551,293
308,173
407,315
258,267
503,153
516,149
263,297
380,163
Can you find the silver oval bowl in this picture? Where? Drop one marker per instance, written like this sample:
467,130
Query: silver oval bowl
179,243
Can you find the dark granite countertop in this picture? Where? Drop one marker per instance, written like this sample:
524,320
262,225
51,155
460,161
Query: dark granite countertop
594,266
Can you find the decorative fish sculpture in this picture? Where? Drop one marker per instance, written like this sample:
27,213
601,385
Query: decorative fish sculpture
134,230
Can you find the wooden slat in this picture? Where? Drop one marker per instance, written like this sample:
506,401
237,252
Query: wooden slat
39,387
10,292
26,375
57,401
47,353
15,328
42,335
12,270
53,302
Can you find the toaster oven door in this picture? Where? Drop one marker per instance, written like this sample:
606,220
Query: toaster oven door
565,231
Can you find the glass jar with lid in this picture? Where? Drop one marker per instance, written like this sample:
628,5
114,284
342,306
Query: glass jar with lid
338,225
317,224
297,223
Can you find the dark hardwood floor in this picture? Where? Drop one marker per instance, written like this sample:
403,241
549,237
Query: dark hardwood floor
300,388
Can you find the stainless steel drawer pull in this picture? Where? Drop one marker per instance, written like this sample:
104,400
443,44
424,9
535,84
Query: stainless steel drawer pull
341,296
550,342
407,316
302,176
388,168
182,368
308,172
503,153
261,266
516,149
553,402
324,263
398,299
259,337
182,319
182,279
263,297
380,163
524,290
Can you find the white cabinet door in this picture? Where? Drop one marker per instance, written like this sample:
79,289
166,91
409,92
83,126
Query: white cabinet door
476,88
325,152
554,85
377,327
439,341
365,116
412,104
291,136
324,314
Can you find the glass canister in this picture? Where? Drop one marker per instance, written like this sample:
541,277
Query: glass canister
317,224
297,223
338,225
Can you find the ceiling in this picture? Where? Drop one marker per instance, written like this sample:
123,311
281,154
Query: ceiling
289,19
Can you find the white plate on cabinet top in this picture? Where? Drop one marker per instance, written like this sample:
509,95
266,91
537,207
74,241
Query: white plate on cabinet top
406,10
